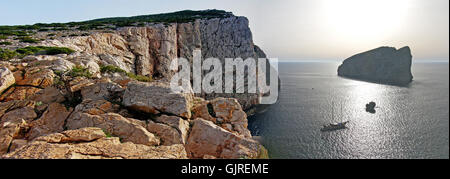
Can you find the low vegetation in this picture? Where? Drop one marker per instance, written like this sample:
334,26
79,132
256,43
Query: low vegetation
6,54
27,39
79,71
5,43
114,69
112,23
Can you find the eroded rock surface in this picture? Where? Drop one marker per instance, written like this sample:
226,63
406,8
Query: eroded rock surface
129,130
6,79
156,98
92,143
170,129
69,106
208,139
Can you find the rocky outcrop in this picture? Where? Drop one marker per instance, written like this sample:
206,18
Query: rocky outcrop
51,121
91,143
103,89
157,97
385,65
15,118
127,129
10,130
150,50
37,77
209,140
48,95
170,129
89,104
224,112
6,79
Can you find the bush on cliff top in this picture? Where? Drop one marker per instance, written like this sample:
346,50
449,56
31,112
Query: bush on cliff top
6,54
80,71
174,17
114,69
5,43
28,39
41,50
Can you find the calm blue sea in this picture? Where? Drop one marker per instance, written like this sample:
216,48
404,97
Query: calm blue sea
410,122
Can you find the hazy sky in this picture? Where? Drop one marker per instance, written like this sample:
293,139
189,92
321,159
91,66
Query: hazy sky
296,29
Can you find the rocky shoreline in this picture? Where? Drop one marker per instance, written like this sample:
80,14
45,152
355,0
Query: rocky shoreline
110,97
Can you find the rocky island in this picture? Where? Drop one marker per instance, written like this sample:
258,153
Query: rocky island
99,89
385,65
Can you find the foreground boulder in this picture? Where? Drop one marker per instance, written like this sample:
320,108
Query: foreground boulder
6,79
129,130
384,65
51,121
9,131
170,129
230,114
224,112
156,98
208,140
91,143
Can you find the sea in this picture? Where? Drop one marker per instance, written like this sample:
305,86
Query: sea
409,123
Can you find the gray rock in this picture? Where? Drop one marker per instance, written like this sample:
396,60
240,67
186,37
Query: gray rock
208,139
6,79
157,97
62,65
384,65
150,50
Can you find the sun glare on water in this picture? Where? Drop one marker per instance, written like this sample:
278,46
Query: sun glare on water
368,20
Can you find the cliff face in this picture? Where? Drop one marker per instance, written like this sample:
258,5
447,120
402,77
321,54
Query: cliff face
110,97
150,50
385,65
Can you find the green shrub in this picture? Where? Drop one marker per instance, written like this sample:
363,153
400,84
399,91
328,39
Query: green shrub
107,134
5,43
80,71
61,29
140,77
43,30
3,37
6,54
13,32
41,50
58,50
114,69
111,69
28,39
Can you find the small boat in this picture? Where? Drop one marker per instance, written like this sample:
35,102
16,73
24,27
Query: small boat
334,126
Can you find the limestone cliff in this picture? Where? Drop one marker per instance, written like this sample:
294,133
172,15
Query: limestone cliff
150,50
385,65
99,93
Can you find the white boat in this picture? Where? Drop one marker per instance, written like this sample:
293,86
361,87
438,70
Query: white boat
334,126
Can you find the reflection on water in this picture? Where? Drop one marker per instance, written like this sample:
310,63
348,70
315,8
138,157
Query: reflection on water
410,122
